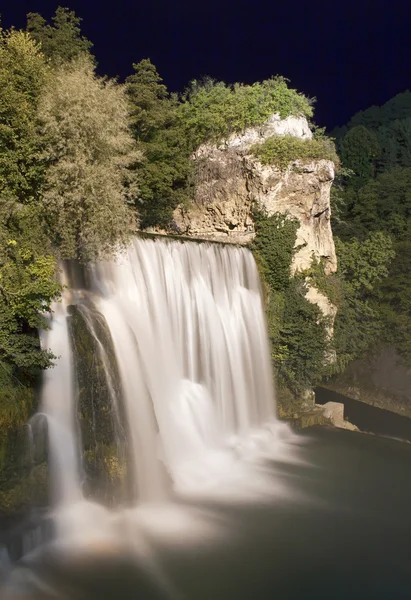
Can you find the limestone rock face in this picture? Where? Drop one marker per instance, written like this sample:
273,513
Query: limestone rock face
230,181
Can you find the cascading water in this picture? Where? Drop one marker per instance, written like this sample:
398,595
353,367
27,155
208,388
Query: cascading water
163,363
186,337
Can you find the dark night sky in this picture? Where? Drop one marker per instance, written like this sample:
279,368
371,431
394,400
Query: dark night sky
349,54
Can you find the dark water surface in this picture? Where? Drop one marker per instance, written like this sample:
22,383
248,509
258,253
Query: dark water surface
367,417
340,527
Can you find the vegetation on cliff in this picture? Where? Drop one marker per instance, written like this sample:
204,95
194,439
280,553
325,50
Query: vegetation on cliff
212,110
280,151
169,127
296,327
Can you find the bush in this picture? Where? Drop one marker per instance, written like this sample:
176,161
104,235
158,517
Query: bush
280,151
212,110
297,329
274,247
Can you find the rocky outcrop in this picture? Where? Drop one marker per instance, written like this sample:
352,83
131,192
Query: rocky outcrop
334,413
231,181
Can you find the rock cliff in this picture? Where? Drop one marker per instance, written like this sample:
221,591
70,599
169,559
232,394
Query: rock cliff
231,181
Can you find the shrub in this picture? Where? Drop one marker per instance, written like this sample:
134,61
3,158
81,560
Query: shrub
280,151
212,110
297,329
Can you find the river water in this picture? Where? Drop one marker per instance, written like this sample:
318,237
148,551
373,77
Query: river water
336,523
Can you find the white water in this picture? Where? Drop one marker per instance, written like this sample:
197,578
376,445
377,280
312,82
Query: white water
59,407
188,329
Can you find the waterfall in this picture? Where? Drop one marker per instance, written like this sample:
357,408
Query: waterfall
178,330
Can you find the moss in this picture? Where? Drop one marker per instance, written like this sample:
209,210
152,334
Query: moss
280,151
288,402
17,401
24,492
106,474
17,405
96,414
98,393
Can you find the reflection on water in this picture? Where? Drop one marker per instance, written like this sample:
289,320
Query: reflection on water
335,524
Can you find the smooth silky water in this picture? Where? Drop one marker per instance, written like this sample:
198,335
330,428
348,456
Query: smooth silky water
221,500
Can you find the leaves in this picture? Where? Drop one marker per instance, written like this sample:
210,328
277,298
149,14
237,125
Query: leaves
212,110
164,173
62,41
364,264
297,328
280,151
88,150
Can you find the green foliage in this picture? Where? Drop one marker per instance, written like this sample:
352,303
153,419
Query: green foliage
362,266
376,201
385,204
151,108
329,285
374,117
42,167
373,222
359,151
280,151
297,328
28,285
16,401
62,41
27,265
164,173
88,150
393,299
168,128
303,339
340,196
212,110
274,247
22,75
357,330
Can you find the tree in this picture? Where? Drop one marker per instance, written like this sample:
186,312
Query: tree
28,285
164,173
362,267
23,74
359,151
395,142
364,264
62,41
28,282
385,204
211,110
88,149
151,106
371,118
